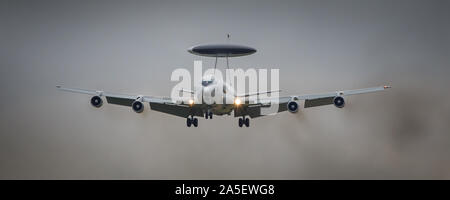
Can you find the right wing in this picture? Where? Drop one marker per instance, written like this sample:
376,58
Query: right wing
312,100
327,98
161,104
257,93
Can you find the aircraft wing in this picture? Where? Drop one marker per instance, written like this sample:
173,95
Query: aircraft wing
312,100
327,98
160,104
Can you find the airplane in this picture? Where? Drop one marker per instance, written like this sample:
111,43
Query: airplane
241,107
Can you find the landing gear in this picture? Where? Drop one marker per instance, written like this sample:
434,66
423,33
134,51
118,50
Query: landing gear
244,121
195,122
208,114
188,122
191,121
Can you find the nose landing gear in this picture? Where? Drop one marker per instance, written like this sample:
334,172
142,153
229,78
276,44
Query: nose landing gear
208,114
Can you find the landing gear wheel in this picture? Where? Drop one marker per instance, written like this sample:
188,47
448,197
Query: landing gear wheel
241,122
195,122
247,122
188,122
208,114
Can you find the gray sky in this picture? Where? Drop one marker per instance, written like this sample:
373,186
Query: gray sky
133,46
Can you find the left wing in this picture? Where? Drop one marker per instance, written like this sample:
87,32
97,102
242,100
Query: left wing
161,104
115,98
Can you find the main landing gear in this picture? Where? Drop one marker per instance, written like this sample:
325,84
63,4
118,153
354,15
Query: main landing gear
191,121
243,121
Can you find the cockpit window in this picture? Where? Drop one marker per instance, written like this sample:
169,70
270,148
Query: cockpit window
206,83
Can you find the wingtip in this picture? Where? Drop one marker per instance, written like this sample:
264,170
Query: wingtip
387,87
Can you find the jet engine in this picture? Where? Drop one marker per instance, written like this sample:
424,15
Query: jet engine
137,106
339,102
96,101
292,106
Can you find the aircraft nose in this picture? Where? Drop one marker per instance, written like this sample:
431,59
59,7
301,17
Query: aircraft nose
206,90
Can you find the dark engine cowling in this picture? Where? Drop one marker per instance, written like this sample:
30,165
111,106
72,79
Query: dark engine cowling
339,101
292,106
137,106
96,101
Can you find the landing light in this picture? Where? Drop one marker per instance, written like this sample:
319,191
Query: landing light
237,101
191,102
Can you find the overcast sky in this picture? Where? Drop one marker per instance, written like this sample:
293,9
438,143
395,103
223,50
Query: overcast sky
133,46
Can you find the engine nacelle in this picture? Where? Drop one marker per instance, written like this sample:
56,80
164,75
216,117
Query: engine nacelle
292,106
137,106
339,101
96,101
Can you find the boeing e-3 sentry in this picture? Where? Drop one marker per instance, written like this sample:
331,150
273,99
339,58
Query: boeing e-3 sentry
240,105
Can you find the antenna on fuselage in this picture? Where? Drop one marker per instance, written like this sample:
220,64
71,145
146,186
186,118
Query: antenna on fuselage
228,67
228,40
215,64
